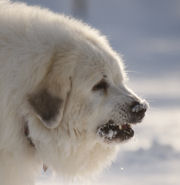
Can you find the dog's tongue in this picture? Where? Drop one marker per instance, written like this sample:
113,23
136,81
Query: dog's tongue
125,126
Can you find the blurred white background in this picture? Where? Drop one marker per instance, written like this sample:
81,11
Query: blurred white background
147,34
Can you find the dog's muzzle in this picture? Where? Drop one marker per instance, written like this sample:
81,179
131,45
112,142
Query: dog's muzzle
118,132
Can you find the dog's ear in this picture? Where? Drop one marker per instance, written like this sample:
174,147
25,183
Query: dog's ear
47,107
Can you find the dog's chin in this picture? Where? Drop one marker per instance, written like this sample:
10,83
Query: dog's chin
115,133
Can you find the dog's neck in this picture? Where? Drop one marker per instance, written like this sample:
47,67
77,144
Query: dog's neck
26,133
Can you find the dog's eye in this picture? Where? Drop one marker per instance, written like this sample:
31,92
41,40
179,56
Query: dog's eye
102,85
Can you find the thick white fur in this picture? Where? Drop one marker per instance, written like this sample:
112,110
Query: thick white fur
40,49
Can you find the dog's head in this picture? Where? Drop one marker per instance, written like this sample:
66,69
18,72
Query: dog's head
82,104
105,106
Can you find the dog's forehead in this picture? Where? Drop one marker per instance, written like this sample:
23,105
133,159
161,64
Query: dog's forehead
96,61
96,68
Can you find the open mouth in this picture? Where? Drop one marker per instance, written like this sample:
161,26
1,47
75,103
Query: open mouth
112,132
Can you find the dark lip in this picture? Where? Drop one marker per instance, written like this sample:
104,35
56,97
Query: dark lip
111,132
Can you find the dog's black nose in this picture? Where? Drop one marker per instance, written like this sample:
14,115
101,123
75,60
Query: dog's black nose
138,110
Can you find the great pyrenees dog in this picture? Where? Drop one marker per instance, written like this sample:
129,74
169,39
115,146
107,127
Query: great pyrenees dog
63,98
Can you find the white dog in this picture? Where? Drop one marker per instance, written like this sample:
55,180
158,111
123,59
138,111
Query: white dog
63,99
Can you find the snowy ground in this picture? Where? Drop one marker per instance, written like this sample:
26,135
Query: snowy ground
147,33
